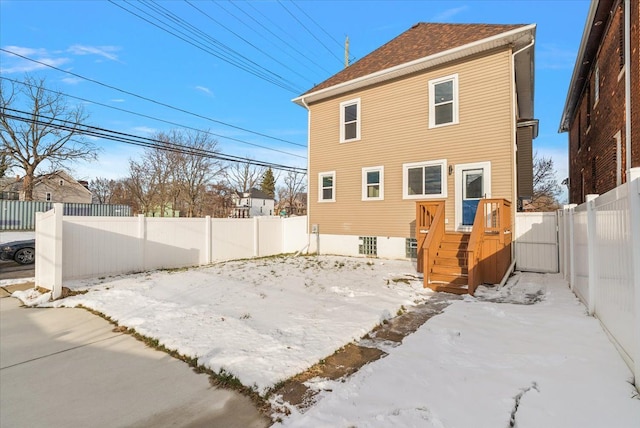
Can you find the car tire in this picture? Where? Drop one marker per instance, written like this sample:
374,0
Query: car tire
25,256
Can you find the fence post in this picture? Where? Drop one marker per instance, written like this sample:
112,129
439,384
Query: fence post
572,261
592,245
56,291
142,238
634,228
209,240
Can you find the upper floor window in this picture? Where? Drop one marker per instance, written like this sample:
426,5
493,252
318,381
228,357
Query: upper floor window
443,101
48,196
424,179
327,186
373,183
61,182
350,120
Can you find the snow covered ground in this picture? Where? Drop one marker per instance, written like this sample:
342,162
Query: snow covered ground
262,320
486,364
527,353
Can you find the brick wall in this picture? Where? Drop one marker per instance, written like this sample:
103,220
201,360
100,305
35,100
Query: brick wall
597,133
635,83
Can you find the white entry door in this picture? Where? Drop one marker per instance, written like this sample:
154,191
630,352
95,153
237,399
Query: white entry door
473,182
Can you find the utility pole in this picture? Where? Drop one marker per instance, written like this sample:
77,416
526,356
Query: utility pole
346,52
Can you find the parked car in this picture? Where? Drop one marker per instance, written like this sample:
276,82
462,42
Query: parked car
23,252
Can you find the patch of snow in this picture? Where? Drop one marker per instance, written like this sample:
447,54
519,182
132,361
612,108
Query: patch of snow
261,320
5,282
32,297
490,364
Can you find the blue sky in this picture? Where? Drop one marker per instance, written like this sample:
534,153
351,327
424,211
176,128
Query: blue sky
297,43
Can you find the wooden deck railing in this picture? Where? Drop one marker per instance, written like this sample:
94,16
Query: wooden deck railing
489,250
429,232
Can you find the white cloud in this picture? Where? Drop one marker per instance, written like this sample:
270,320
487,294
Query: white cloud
71,80
144,130
205,90
449,13
117,100
107,52
20,65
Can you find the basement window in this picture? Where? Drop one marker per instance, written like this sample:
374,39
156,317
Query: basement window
368,245
411,248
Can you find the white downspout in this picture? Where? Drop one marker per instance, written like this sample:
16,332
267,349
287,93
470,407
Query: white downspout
627,85
514,101
304,103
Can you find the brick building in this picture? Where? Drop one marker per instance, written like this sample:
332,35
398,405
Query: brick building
595,114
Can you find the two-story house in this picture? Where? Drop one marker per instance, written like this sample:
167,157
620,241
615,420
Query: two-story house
602,110
253,203
416,135
57,186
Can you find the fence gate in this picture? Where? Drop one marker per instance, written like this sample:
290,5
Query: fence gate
536,242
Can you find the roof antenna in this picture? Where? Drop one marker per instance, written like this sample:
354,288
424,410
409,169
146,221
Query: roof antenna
346,52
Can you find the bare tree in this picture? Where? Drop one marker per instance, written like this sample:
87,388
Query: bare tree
218,200
545,184
33,134
193,171
294,184
142,184
6,162
243,176
102,189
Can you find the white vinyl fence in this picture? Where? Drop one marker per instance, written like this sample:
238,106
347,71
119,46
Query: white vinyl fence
536,242
600,255
82,247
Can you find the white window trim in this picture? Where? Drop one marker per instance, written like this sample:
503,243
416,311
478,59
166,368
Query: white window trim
405,179
365,186
344,104
432,106
48,196
320,188
596,85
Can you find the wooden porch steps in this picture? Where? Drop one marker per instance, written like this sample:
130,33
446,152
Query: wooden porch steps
448,271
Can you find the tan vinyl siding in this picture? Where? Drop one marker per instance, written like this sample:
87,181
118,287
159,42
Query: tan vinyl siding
525,162
395,130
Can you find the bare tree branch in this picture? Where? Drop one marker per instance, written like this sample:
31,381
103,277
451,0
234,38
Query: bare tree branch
33,142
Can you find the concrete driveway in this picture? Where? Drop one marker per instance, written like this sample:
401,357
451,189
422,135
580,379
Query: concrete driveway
66,367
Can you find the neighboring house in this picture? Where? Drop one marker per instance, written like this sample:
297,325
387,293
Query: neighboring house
253,203
414,135
166,211
57,186
603,125
299,206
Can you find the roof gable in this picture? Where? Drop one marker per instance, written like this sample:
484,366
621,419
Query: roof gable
420,41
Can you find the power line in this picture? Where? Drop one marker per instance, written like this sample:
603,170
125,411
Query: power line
135,140
243,39
155,118
309,31
317,25
153,101
268,30
249,66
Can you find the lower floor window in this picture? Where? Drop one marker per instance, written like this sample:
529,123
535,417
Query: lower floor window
424,179
327,186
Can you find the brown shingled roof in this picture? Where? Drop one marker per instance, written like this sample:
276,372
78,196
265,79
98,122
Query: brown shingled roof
421,40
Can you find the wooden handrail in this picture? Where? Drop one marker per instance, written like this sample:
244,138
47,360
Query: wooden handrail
429,232
493,217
